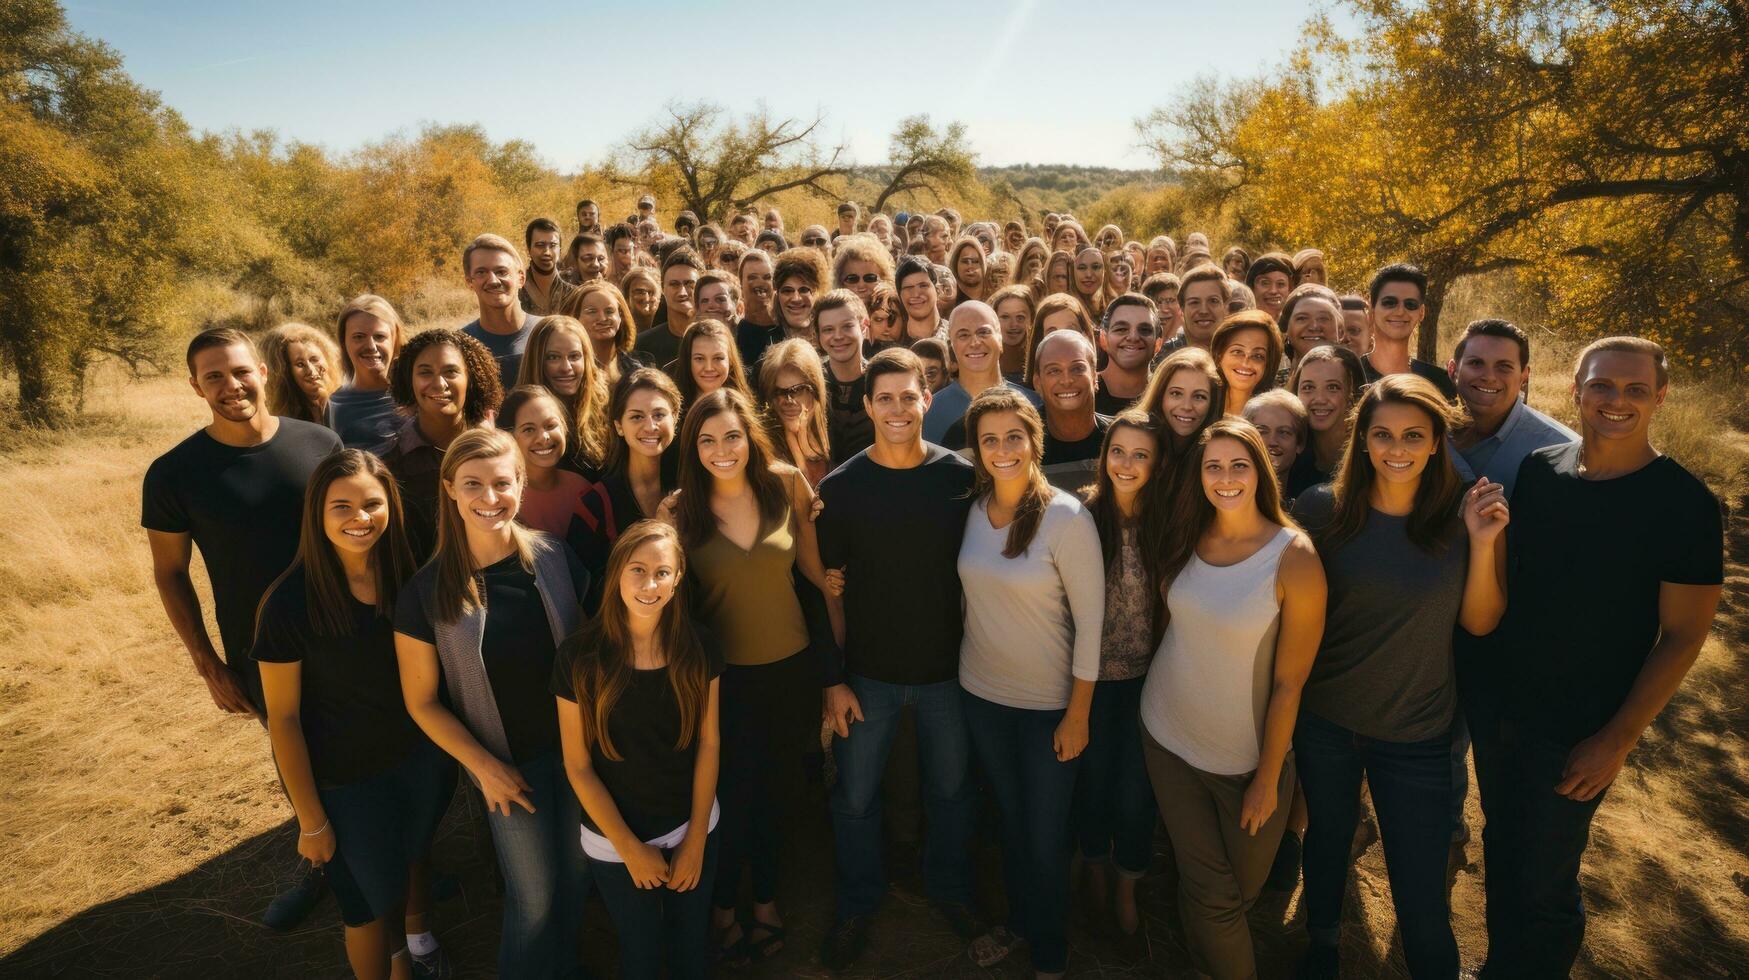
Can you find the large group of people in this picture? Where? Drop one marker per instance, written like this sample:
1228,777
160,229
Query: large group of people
1153,546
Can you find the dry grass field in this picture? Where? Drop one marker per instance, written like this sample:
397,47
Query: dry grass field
140,826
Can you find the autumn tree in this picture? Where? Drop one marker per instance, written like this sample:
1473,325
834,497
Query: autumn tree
921,157
714,164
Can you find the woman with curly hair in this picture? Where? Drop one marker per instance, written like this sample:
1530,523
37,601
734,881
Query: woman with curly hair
610,325
303,370
445,383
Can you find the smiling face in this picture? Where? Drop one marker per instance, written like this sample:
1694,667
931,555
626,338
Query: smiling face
1399,442
678,284
309,368
1229,474
977,342
897,405
539,430
370,344
1014,320
1005,450
723,445
1315,320
647,425
1271,290
1281,436
487,492
563,362
860,276
494,277
917,294
796,296
1065,375
756,283
840,334
1129,461
715,303
440,382
1089,271
1324,391
599,315
1185,400
588,216
1130,337
1392,316
1617,393
1204,309
1244,355
355,513
649,578
642,298
1489,377
709,364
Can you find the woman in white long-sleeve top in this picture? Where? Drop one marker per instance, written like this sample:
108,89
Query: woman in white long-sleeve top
1035,599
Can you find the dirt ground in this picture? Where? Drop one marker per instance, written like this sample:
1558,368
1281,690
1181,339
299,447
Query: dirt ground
144,831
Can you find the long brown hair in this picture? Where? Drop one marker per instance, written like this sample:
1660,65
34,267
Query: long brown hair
1184,359
797,355
284,395
628,324
1435,513
1103,500
638,272
585,411
643,379
390,559
458,575
1250,320
602,675
692,515
1191,513
700,329
1038,492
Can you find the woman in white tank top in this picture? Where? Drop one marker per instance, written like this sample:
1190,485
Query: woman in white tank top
1245,607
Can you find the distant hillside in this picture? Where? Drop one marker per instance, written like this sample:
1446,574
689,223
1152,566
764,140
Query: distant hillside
1061,186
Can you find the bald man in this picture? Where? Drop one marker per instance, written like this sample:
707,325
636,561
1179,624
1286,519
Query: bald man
1067,381
974,336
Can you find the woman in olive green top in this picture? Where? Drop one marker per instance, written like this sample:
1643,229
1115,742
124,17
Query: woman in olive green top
743,519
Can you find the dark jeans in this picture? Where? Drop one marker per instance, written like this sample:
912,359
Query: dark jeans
1460,772
1114,805
546,876
767,714
1033,795
1532,843
657,925
1411,793
948,799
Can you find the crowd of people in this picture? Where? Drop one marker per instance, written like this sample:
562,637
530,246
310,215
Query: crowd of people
1140,536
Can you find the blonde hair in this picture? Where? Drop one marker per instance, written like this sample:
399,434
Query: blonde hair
378,307
798,355
628,327
586,411
457,589
284,395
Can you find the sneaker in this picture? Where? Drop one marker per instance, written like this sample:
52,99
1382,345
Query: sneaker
961,918
845,943
1284,873
290,906
434,965
1321,963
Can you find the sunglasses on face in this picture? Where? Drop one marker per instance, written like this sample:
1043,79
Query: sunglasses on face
868,277
794,393
814,242
1390,303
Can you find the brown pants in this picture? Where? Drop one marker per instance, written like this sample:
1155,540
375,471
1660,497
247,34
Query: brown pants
1221,868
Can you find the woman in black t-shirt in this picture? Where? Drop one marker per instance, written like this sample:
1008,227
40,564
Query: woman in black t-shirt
367,787
637,699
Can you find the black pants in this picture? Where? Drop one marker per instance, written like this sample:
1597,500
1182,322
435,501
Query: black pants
656,925
1532,843
767,715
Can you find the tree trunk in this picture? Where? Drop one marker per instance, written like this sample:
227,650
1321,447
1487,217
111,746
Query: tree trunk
36,384
1427,342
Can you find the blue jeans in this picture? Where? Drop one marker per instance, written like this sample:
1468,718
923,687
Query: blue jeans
1114,804
947,794
1533,841
656,925
1411,792
546,876
1034,794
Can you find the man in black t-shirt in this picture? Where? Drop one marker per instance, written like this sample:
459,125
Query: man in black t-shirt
892,522
840,327
234,490
1063,369
1615,564
1399,303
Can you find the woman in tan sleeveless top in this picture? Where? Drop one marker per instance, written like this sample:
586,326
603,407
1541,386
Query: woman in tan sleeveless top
743,520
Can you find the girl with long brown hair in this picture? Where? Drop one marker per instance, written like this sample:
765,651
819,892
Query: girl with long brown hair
1114,808
792,386
1087,281
558,358
477,630
708,360
970,266
1247,349
1029,264
1244,600
643,293
367,787
1016,311
1327,380
1410,554
638,704
1055,275
1034,601
303,371
609,324
743,519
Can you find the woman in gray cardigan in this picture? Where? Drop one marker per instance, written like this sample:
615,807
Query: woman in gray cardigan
483,620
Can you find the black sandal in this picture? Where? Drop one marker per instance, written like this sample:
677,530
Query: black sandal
760,950
730,956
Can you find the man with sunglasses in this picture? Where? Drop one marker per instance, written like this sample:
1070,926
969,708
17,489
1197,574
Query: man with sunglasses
1130,336
814,236
1399,302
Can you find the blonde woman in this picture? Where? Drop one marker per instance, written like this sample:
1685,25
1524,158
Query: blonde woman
362,411
610,325
303,371
558,359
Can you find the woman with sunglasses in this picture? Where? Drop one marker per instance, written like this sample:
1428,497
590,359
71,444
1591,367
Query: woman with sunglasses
791,383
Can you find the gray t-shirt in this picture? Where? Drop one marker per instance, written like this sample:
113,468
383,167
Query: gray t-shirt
507,348
1384,667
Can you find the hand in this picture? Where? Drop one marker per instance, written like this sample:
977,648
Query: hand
502,784
646,865
225,687
835,582
814,511
1592,766
1485,511
687,864
1070,738
318,849
1258,805
842,708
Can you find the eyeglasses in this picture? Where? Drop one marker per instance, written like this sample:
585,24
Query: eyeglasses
813,242
794,393
1390,303
870,277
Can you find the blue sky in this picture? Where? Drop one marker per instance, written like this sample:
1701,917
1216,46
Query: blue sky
1042,81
